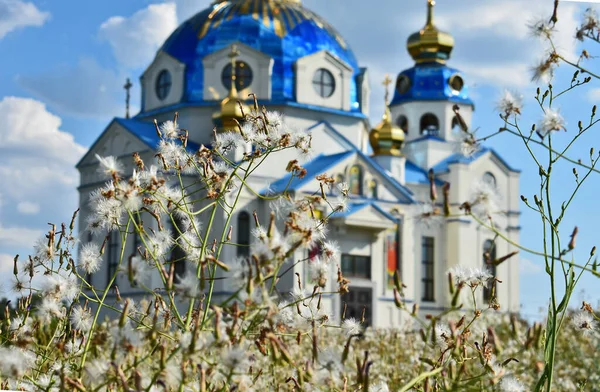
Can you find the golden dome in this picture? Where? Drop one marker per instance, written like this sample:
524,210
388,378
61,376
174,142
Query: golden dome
387,138
430,44
231,110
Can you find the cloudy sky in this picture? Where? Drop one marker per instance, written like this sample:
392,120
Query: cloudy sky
63,65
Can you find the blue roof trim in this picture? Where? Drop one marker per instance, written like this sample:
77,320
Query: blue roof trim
444,166
315,167
392,181
427,137
353,208
143,130
215,104
430,82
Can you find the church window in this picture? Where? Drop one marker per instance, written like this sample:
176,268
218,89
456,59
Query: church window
163,84
243,234
427,271
356,266
489,255
357,300
243,75
178,255
402,122
323,83
403,84
373,189
488,178
355,180
113,254
456,83
430,125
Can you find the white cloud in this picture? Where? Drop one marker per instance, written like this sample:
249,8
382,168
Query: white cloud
37,168
18,237
15,14
528,267
593,95
136,39
188,8
28,208
85,90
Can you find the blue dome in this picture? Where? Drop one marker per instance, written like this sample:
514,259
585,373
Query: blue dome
431,82
282,29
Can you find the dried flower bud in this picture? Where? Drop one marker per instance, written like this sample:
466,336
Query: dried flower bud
573,238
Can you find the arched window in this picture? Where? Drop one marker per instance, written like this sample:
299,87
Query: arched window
489,255
323,83
430,125
243,234
355,180
402,122
373,189
243,76
490,179
163,84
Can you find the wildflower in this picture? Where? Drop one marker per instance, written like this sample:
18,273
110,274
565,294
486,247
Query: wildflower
110,166
511,384
235,359
467,144
14,362
169,129
318,271
510,103
330,251
172,153
188,285
484,200
443,336
227,141
351,326
544,70
340,204
427,214
471,276
139,269
552,121
81,319
584,321
96,370
90,258
161,242
49,309
542,28
43,252
60,287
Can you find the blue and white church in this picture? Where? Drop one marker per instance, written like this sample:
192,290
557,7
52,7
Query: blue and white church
296,63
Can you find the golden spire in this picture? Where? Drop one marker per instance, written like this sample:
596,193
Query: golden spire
387,138
225,119
430,44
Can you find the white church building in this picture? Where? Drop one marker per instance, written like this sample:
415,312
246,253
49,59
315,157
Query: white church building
299,65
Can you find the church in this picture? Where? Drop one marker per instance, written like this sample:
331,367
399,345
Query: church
294,62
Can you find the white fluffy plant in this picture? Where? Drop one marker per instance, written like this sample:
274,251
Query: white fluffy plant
178,337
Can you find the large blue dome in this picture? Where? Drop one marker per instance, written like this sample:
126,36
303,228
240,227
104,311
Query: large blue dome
282,29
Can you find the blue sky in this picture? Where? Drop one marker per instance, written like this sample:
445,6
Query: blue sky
64,64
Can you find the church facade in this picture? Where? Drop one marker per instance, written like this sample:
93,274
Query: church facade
297,64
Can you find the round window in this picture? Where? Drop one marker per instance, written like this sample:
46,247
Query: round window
243,75
403,84
456,82
324,83
163,84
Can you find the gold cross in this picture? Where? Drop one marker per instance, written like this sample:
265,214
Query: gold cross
386,82
233,56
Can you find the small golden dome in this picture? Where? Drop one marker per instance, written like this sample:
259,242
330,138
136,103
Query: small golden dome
430,44
387,138
231,110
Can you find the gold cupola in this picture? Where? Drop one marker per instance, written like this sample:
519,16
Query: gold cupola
387,138
233,107
430,44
